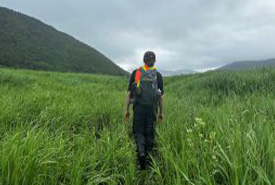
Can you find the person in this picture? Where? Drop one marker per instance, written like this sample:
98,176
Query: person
145,91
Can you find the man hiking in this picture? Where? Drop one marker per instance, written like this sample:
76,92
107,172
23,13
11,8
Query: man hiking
145,91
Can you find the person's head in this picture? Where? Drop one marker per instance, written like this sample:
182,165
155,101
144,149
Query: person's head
149,58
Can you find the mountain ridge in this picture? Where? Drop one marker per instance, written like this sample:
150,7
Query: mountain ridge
26,42
248,64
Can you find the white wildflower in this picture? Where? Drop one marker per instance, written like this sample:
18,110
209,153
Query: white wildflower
200,122
189,142
212,135
215,158
189,131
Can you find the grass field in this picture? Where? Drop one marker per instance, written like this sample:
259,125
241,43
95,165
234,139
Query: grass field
64,128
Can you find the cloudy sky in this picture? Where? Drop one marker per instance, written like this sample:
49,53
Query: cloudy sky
185,34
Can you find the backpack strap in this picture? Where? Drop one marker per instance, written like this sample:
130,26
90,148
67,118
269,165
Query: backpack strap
146,68
137,77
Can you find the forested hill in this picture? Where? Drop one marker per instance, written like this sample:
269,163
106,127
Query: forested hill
244,65
26,42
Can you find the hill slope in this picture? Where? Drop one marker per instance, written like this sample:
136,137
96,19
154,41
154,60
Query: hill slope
28,43
244,65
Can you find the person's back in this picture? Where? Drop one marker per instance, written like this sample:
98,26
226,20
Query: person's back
146,92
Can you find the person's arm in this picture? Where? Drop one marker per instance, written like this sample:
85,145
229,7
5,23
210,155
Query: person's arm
127,107
160,114
128,98
161,104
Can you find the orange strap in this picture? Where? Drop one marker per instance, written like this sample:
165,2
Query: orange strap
137,77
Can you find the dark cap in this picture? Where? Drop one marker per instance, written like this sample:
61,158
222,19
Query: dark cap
149,56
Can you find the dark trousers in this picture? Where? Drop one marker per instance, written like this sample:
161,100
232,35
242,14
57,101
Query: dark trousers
144,131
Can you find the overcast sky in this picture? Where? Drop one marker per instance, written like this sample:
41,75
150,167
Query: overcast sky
185,34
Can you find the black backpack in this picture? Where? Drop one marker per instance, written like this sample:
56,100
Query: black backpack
147,92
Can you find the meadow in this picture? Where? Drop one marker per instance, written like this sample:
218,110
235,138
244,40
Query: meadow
68,128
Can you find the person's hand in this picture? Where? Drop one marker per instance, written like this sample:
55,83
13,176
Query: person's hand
160,117
127,116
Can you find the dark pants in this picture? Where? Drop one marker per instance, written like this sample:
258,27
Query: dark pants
144,131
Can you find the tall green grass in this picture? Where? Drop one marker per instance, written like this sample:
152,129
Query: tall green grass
63,128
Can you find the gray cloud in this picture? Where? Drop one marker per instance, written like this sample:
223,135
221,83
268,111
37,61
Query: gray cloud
192,34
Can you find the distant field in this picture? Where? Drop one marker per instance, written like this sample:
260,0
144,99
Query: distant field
64,128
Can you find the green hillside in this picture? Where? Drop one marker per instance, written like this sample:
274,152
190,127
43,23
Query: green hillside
248,65
28,43
66,128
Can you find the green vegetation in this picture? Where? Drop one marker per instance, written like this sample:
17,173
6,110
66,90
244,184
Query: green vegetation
62,128
28,43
